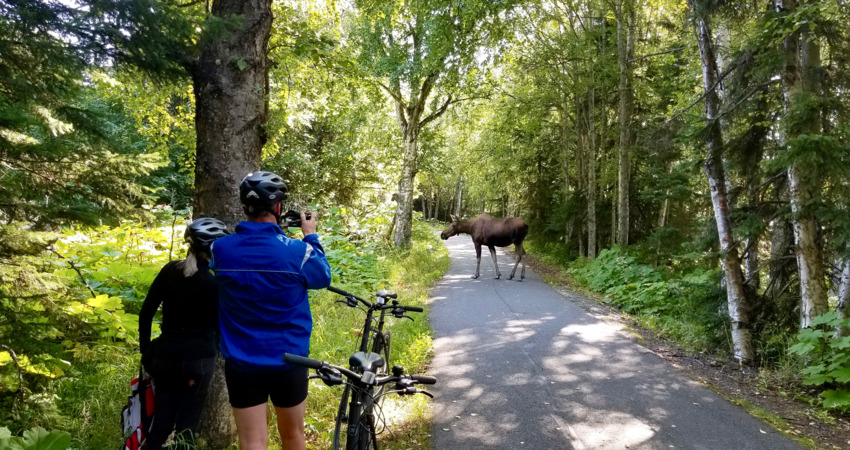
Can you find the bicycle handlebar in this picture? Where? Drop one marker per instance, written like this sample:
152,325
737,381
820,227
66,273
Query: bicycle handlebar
423,379
321,365
302,361
381,293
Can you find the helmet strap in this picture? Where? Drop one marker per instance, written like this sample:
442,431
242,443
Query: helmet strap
276,212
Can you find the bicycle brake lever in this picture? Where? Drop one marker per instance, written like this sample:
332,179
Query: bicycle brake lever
330,377
421,391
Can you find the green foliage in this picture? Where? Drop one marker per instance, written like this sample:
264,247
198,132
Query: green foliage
35,439
68,302
827,358
684,306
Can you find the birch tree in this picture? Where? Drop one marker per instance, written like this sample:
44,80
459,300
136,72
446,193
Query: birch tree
422,53
801,85
730,259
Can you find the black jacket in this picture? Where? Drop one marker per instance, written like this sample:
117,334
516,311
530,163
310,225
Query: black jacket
189,314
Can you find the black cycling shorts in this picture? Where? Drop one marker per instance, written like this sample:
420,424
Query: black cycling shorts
287,388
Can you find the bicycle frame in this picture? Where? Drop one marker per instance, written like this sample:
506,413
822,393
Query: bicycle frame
363,383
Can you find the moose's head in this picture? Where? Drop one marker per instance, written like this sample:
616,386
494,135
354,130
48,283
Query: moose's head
452,230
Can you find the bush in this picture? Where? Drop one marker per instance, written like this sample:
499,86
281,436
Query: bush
683,306
827,359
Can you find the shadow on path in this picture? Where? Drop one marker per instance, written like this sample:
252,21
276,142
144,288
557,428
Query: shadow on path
519,366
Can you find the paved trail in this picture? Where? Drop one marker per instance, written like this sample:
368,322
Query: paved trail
522,367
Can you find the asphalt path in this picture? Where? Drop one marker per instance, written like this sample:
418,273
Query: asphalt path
520,366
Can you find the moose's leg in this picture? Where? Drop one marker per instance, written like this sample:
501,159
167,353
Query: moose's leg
520,253
478,257
493,254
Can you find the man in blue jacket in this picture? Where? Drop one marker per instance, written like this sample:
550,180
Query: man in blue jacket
263,277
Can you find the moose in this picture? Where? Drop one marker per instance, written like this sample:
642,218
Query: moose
492,232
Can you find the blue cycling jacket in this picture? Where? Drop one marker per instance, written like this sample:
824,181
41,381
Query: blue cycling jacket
263,277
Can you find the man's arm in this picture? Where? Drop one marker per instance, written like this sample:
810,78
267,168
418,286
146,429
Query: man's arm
315,266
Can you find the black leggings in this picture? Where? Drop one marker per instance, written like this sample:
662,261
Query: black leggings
181,390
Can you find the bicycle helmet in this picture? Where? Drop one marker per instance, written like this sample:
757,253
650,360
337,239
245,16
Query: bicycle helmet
261,191
201,233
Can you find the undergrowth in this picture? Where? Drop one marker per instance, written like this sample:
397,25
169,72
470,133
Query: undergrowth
74,326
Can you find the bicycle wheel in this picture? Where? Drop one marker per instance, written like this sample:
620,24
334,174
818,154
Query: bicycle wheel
341,426
368,437
349,435
382,347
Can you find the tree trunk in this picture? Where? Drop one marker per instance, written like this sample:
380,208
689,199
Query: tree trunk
801,82
565,154
404,212
591,177
625,53
843,305
459,196
731,262
781,253
231,108
437,205
230,86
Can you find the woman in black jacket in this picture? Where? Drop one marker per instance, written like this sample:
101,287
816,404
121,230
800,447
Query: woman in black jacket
182,359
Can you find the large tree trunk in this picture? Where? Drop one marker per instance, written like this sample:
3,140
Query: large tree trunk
625,52
230,85
404,211
800,83
731,262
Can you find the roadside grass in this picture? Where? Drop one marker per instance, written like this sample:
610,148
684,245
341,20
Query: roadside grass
87,401
336,333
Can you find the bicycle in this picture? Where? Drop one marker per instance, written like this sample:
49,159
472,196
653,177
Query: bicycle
373,340
363,380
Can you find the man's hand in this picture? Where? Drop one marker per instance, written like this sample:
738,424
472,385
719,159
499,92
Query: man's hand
309,225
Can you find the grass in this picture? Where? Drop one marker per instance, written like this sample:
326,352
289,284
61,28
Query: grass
87,402
336,332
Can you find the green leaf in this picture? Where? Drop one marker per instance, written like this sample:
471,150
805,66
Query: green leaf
836,398
40,439
841,375
104,301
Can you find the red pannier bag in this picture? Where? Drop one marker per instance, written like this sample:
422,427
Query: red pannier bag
137,414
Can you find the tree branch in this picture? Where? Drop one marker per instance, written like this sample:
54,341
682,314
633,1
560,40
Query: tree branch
395,95
436,113
20,390
657,54
705,93
76,269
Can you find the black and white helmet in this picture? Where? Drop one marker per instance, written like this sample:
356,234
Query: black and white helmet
201,233
261,191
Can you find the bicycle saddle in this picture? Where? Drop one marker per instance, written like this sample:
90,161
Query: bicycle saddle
370,362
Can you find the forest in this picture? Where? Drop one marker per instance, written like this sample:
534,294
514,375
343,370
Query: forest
687,160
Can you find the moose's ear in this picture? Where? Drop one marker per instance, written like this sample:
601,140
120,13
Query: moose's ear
454,218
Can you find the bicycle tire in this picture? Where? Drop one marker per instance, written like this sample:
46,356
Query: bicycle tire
382,346
364,437
341,425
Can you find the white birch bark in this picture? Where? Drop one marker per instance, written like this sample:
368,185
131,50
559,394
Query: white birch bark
801,56
736,298
843,305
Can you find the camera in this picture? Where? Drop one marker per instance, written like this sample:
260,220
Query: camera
292,218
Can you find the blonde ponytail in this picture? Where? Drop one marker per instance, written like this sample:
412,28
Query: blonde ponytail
189,266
